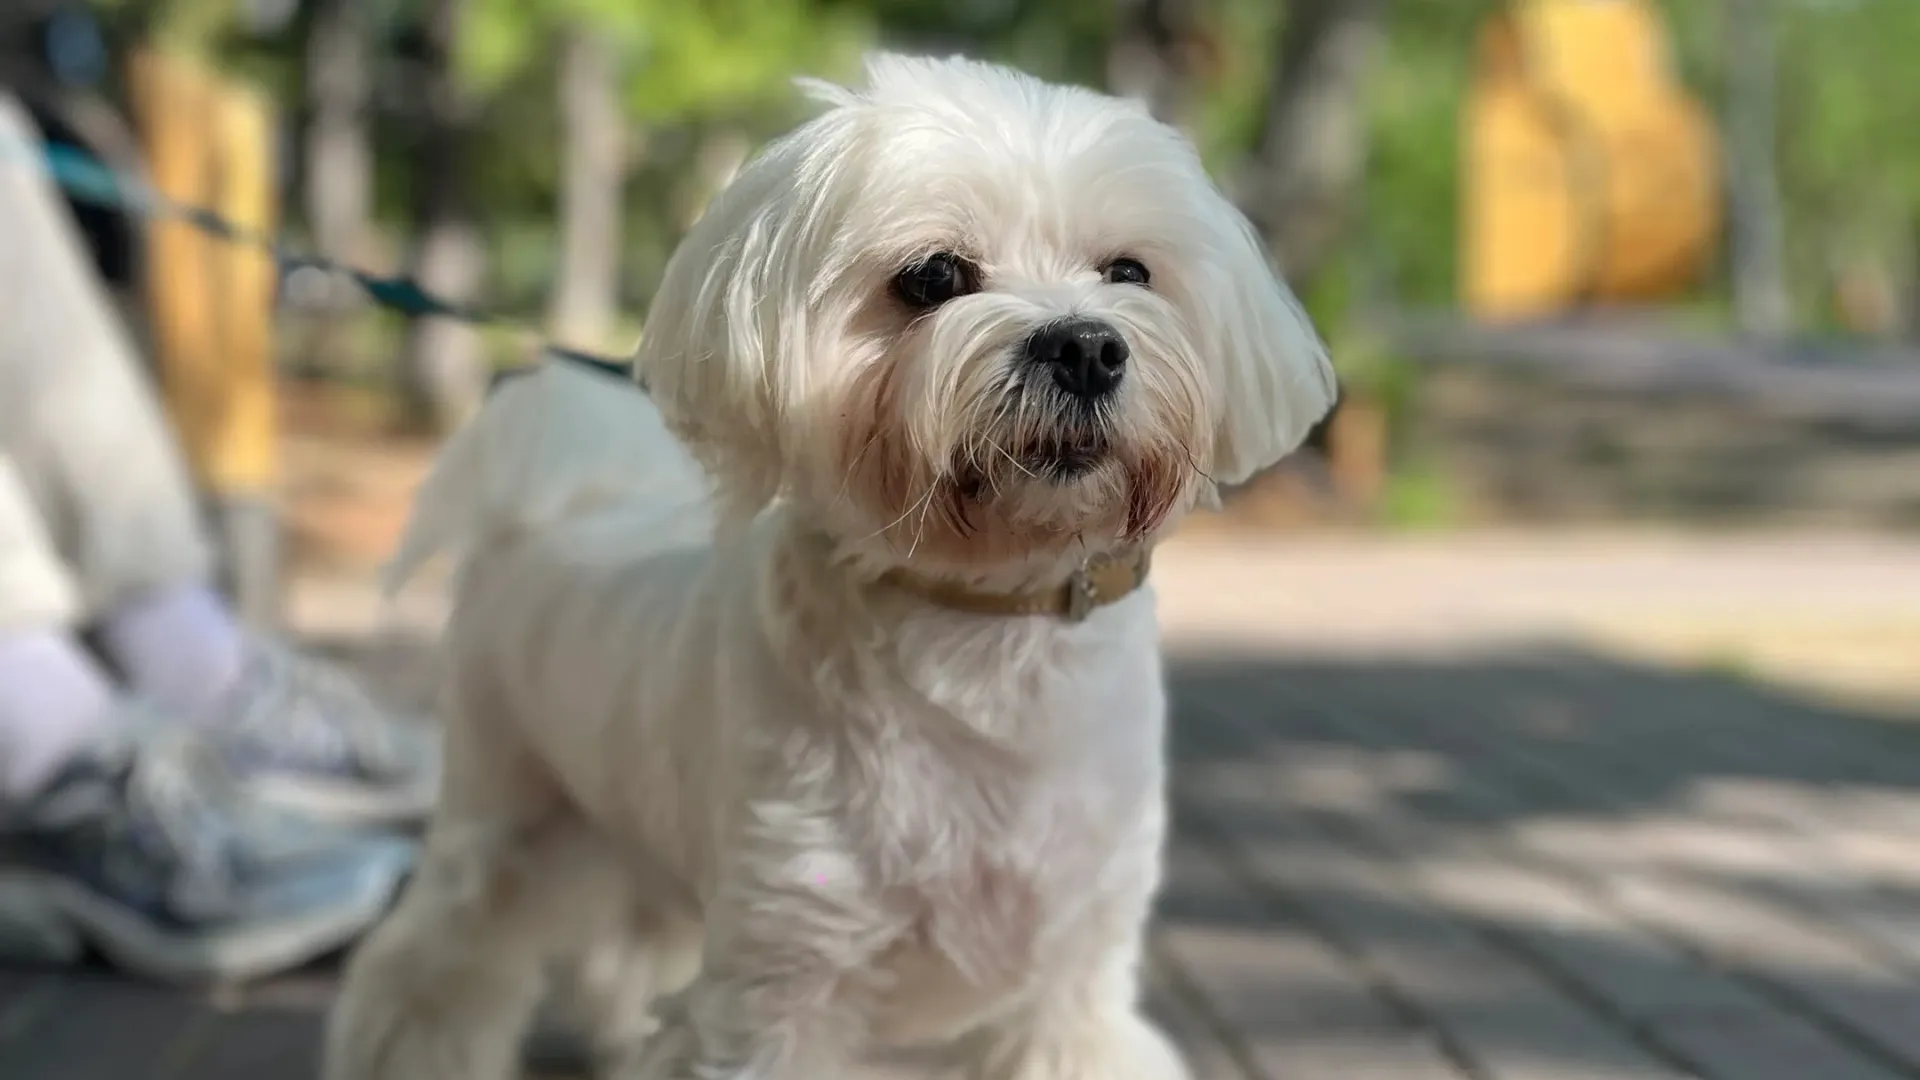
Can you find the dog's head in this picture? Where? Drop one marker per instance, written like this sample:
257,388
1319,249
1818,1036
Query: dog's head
972,319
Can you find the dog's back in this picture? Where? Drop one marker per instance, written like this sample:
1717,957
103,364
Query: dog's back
583,530
559,444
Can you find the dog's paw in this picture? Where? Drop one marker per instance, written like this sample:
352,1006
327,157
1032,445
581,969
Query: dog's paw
1125,1048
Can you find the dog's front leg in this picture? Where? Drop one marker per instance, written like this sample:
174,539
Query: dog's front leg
1083,1030
1084,1020
787,976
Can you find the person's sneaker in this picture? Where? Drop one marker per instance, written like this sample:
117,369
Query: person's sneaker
146,850
305,736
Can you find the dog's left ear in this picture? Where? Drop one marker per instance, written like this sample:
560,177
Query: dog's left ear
1276,380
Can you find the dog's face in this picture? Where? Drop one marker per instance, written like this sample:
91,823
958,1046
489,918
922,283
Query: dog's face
974,320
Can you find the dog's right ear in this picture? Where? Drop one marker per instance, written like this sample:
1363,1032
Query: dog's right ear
726,337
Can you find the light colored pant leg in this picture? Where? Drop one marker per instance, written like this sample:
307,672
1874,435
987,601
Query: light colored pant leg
79,419
36,592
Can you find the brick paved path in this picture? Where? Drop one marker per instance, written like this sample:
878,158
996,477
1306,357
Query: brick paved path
1502,862
1541,867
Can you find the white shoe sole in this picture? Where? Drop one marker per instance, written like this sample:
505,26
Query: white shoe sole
345,804
45,918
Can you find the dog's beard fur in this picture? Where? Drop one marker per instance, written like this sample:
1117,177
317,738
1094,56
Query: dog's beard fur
954,450
916,435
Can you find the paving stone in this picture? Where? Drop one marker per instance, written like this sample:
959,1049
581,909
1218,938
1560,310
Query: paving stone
260,1045
1502,865
1770,1052
105,1027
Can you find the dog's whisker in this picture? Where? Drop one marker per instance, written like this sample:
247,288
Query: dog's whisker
1194,464
1011,460
920,529
853,467
924,499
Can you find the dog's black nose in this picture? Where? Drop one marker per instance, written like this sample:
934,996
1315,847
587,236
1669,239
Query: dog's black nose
1087,357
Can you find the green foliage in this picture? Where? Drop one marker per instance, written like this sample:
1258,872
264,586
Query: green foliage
1246,33
1056,39
1849,106
681,59
1404,242
1410,213
1420,498
195,25
1849,112
721,69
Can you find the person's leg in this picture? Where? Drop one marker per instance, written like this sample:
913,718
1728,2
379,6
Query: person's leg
78,415
54,698
84,429
88,438
108,814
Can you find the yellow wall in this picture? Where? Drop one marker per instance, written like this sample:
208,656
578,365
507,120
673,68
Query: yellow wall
1591,175
209,144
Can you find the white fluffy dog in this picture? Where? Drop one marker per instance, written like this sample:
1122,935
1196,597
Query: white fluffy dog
814,694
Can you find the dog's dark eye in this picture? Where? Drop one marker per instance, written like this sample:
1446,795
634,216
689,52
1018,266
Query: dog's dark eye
936,280
1128,272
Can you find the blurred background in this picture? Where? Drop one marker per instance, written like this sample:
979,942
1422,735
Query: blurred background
1624,296
1585,264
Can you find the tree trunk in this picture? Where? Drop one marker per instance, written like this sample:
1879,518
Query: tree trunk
1761,303
593,131
443,371
1312,147
337,173
1160,56
339,158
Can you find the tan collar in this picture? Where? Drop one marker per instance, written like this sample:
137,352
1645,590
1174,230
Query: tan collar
1102,580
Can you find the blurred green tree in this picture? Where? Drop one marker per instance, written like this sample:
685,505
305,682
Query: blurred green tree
620,68
442,365
1311,150
587,120
1848,111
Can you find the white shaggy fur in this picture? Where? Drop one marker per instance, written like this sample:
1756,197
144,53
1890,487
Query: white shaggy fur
694,732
